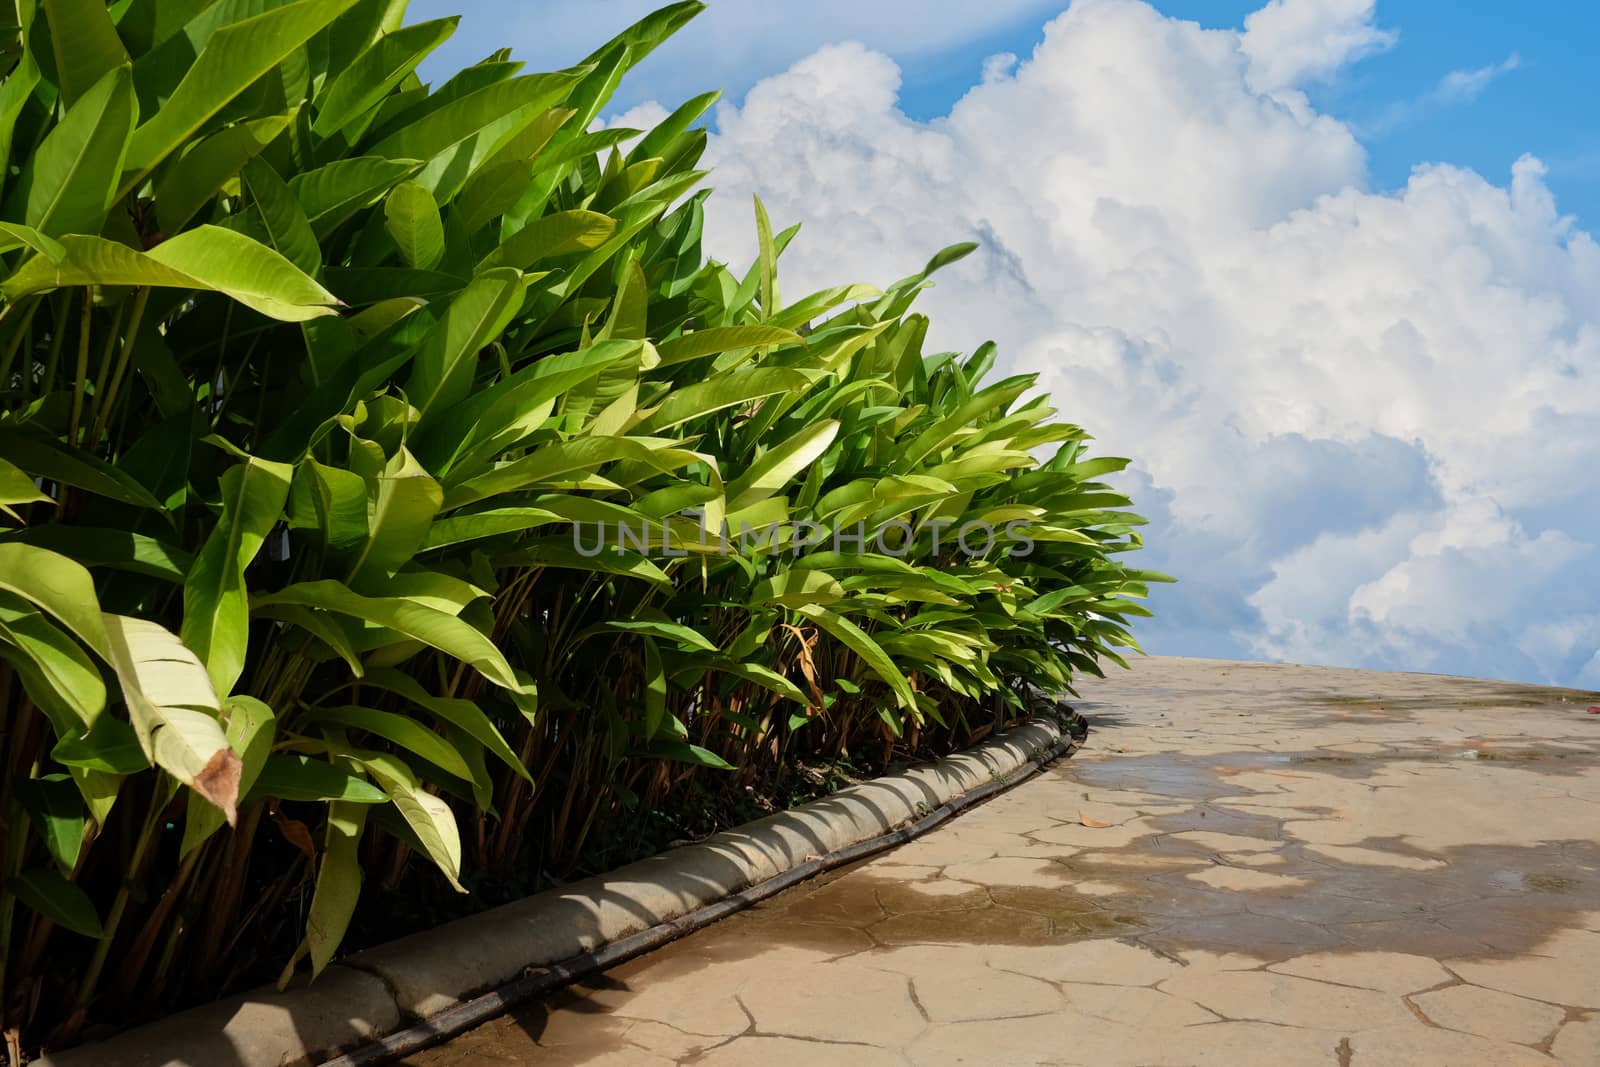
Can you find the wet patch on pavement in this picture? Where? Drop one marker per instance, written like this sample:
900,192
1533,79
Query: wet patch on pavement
1248,863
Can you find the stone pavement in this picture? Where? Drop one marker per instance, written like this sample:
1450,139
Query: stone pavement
1247,864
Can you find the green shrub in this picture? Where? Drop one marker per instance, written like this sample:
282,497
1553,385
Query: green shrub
311,373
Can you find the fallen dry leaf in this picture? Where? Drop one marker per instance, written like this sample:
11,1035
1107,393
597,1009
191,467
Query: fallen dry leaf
1093,824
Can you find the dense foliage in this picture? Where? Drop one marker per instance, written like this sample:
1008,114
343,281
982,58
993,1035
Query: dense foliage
310,371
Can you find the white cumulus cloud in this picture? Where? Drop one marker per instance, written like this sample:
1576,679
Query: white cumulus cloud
1366,424
1291,42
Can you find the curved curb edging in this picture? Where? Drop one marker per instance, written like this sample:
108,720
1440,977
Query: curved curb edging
373,992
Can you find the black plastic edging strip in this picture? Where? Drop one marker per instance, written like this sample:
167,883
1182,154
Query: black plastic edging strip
548,979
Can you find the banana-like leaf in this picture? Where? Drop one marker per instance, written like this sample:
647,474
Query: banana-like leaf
463,714
53,669
403,508
398,729
86,45
206,258
174,709
330,195
339,880
17,488
288,229
441,373
726,391
233,58
362,85
429,817
64,903
197,176
859,642
329,502
718,339
432,627
67,185
779,465
216,610
411,216
96,546
288,776
59,586
56,811
560,234
683,752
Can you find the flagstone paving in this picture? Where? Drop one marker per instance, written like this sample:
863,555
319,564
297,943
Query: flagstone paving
1247,864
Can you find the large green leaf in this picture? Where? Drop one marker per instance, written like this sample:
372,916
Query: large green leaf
359,87
779,465
111,747
403,507
429,817
96,546
174,709
460,713
330,502
490,420
86,45
59,586
398,729
463,119
859,642
430,626
502,180
676,632
231,61
216,610
68,184
287,227
53,669
559,234
339,879
62,902
683,752
193,179
329,195
207,258
725,391
294,777
17,488
56,461
717,339
412,218
441,373
56,810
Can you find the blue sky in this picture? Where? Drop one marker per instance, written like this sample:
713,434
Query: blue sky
1322,268
1544,106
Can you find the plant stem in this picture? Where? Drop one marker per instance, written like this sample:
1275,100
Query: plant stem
58,337
103,410
91,977
104,374
23,328
81,381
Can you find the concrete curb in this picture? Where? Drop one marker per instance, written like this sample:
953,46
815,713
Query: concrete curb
373,992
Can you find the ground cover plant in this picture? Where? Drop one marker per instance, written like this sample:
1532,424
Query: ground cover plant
310,374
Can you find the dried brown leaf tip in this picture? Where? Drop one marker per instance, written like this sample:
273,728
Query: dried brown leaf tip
218,782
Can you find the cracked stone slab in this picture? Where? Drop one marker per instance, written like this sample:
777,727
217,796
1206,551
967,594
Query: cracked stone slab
1390,972
1489,1013
1303,866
